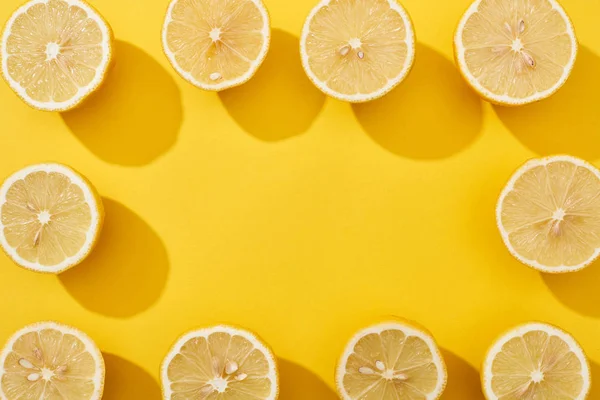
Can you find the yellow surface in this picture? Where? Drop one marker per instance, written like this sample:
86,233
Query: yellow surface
300,217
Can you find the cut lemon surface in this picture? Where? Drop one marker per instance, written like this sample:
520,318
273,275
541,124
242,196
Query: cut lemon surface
220,363
51,217
536,361
49,360
515,52
390,361
55,53
357,50
549,214
216,44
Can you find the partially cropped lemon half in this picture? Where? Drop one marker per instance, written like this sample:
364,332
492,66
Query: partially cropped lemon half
49,360
216,44
357,51
50,217
515,52
391,360
536,361
220,362
548,214
55,53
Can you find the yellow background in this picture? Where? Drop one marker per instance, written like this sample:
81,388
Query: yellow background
297,216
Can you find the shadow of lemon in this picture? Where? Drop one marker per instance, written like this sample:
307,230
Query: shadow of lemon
566,123
135,116
432,114
127,381
298,383
279,102
127,270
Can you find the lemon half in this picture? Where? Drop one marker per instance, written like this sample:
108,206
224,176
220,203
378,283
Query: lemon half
55,53
50,217
390,361
514,52
49,360
220,362
357,51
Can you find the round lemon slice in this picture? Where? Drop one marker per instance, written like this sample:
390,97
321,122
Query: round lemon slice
548,214
216,44
536,361
222,363
390,361
50,217
55,53
357,51
49,360
515,52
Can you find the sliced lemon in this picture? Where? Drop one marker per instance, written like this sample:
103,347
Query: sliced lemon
536,361
55,53
221,362
50,217
49,360
390,361
216,44
515,52
357,51
549,214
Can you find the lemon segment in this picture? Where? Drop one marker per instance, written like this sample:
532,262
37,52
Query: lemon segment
536,361
357,51
221,362
55,53
390,361
515,52
216,44
549,214
49,360
50,217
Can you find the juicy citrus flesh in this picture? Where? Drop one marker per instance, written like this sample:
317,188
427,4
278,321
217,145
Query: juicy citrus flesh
537,365
50,363
222,365
357,48
54,50
551,215
391,365
46,218
517,50
214,42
